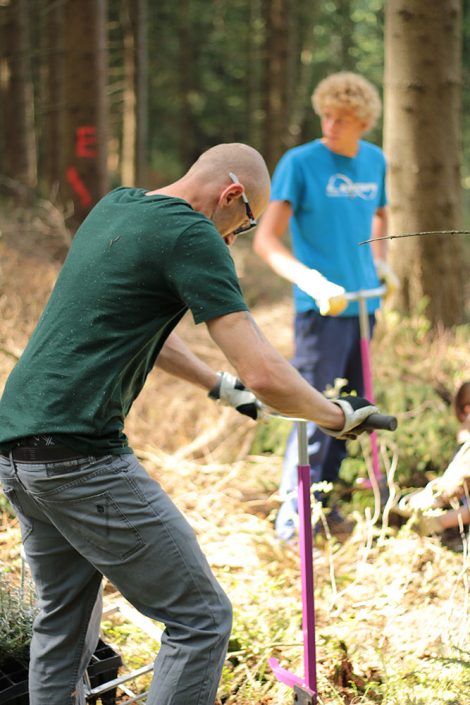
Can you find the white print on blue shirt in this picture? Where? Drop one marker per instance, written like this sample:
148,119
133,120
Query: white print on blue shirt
341,186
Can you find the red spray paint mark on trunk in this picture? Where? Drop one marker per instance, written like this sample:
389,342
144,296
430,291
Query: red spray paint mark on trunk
73,177
85,142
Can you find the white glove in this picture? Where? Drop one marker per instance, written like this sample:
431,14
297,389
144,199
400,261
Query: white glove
356,411
387,276
329,296
230,391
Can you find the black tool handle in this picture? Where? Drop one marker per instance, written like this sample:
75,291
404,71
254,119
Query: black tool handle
380,422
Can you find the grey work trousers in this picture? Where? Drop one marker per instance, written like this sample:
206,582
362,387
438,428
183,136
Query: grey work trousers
82,519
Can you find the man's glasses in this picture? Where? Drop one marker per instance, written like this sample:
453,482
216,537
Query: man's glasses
249,213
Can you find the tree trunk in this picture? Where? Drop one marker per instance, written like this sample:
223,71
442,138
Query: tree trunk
422,100
53,101
134,137
185,80
85,149
302,70
19,149
142,90
346,34
254,77
275,99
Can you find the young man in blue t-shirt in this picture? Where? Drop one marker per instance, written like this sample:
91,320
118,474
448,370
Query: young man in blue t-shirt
330,193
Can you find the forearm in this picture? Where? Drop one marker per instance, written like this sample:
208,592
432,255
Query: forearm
380,229
280,259
268,242
289,394
453,517
178,360
269,376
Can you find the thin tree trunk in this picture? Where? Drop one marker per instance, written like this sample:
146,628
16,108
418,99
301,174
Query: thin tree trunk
422,99
254,75
141,23
135,106
85,119
185,80
53,102
129,114
275,99
344,11
20,162
303,70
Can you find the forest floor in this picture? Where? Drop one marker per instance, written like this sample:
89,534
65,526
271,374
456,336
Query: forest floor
392,607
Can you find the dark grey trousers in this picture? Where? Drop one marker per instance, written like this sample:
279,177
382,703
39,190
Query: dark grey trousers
86,518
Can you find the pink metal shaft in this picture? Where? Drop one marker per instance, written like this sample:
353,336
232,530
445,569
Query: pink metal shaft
366,369
306,570
367,375
309,682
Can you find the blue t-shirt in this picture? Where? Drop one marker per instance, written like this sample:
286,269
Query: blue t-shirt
334,199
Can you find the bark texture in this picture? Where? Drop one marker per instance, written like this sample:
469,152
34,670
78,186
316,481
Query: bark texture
135,104
19,147
422,143
84,135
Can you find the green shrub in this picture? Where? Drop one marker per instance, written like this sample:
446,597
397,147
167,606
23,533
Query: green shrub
17,612
271,437
416,373
5,507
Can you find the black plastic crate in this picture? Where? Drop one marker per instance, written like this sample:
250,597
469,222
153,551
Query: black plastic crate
103,667
14,683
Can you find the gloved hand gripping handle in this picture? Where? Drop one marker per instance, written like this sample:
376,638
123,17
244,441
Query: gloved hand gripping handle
374,422
230,391
379,422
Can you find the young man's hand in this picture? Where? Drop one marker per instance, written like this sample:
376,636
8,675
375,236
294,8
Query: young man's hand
329,296
387,277
356,411
332,306
230,391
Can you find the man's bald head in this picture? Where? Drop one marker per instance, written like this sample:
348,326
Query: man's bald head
247,163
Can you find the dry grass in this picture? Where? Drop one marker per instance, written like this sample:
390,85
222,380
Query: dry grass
392,608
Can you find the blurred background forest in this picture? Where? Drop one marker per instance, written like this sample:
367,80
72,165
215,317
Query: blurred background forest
99,93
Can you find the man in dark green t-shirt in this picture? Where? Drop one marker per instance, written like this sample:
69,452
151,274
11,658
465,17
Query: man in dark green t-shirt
87,508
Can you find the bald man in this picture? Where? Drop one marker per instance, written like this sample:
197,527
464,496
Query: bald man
87,508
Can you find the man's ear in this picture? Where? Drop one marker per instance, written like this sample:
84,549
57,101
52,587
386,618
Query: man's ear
230,193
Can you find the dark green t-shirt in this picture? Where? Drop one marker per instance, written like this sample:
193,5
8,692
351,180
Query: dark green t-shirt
136,265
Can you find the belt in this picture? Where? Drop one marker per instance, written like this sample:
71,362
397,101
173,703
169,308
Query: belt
42,449
44,455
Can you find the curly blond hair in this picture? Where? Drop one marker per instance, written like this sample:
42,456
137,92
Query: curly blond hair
351,91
